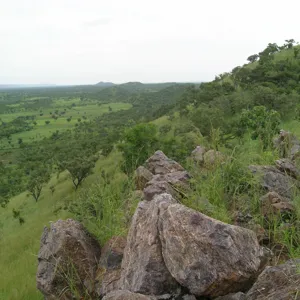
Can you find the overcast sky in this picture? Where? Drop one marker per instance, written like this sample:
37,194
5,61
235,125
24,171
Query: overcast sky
86,41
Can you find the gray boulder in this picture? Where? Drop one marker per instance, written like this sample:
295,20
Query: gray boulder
143,267
273,180
126,295
281,282
67,248
202,253
159,163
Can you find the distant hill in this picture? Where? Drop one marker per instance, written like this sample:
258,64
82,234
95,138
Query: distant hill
105,84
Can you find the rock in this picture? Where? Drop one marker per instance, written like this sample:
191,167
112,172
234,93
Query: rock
155,187
287,145
232,296
142,176
143,267
126,295
202,253
198,154
213,158
281,282
273,203
159,163
286,166
109,270
273,180
66,248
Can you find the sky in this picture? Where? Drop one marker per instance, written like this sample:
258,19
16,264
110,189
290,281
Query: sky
87,41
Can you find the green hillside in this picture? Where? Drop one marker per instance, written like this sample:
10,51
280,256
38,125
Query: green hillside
81,164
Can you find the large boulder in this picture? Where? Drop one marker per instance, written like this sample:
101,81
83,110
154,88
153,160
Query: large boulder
143,267
273,180
68,256
126,295
109,268
281,282
159,163
208,257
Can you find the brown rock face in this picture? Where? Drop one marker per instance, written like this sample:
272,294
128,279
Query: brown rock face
208,257
144,270
126,295
159,163
68,255
109,270
281,282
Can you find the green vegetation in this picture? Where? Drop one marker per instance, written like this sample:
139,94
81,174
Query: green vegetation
71,152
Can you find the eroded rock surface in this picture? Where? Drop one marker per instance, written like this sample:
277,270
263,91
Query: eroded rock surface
281,282
68,255
159,163
144,270
208,257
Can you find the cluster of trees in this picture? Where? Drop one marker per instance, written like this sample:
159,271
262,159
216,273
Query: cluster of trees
253,97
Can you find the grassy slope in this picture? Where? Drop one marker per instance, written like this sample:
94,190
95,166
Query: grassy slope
19,245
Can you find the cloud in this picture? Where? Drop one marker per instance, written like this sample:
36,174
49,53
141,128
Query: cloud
98,22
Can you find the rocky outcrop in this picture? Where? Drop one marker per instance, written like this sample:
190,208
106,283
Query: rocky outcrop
67,261
109,269
273,180
169,177
173,252
281,282
144,269
202,253
126,295
159,163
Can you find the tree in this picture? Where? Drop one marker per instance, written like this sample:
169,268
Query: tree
37,179
253,58
263,123
47,122
139,142
79,167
